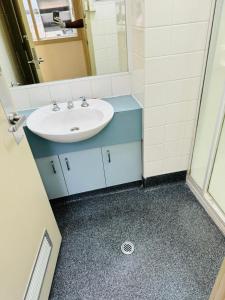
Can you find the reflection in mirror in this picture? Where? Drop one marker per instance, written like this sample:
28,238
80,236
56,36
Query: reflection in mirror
48,40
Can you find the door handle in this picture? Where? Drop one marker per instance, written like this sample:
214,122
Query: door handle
109,156
53,167
36,61
67,164
16,121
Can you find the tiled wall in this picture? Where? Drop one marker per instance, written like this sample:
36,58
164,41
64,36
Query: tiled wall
169,40
103,25
32,96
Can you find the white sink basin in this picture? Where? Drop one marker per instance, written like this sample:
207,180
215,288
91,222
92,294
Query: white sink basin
71,125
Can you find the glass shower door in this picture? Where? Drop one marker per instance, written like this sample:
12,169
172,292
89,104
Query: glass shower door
217,182
211,104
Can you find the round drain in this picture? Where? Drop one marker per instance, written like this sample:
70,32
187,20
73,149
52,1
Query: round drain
127,248
74,129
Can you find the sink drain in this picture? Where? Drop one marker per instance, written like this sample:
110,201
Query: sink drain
127,248
74,129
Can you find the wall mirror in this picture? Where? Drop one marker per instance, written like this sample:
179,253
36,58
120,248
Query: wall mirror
48,40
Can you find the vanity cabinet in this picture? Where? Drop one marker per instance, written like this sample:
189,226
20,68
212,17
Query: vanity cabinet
83,170
52,176
122,163
92,169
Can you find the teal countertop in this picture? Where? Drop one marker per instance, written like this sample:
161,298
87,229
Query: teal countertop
125,127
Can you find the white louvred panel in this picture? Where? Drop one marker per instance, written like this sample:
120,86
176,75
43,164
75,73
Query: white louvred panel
38,274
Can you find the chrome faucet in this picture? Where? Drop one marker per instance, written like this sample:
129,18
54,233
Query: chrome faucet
84,102
70,104
55,106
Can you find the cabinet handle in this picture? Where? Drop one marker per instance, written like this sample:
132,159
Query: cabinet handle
109,156
53,167
67,164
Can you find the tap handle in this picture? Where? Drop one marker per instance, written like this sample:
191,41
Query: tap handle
55,106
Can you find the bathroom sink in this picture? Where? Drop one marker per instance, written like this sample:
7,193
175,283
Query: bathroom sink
71,125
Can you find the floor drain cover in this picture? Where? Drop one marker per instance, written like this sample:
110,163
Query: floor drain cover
127,248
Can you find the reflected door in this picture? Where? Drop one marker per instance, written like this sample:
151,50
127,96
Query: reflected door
60,52
22,46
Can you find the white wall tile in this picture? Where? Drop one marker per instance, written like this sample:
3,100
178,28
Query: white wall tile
158,12
157,41
189,129
174,67
153,168
172,149
185,147
80,88
121,85
175,164
154,117
39,96
184,111
188,37
172,91
20,98
101,87
175,39
155,135
175,131
60,92
185,11
154,153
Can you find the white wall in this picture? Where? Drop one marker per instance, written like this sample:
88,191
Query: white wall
32,96
168,50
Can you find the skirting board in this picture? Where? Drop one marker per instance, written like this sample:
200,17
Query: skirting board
164,179
209,205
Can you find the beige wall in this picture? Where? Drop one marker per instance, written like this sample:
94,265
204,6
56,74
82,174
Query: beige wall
25,213
62,60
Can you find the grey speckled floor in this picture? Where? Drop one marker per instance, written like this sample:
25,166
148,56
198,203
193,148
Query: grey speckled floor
178,250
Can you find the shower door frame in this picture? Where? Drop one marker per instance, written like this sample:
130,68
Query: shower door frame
202,194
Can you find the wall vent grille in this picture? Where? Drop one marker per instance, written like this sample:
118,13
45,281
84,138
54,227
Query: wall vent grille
39,270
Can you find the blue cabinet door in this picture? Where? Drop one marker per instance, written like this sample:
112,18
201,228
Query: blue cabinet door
83,170
52,176
122,163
